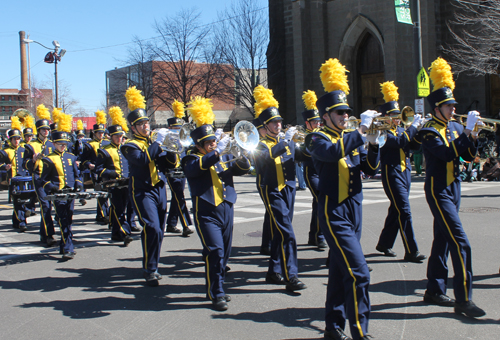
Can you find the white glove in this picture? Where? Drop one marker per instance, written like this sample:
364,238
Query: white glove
367,117
218,133
472,118
290,133
221,146
160,135
372,138
476,133
281,135
417,120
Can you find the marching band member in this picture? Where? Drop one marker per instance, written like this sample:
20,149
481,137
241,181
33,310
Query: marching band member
77,150
339,156
12,157
147,184
444,141
312,121
277,157
265,247
396,179
34,152
60,171
213,195
28,134
178,208
111,164
89,157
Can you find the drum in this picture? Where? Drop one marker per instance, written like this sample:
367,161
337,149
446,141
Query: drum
22,188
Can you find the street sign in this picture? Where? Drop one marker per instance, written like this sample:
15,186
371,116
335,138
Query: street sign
423,84
419,106
403,13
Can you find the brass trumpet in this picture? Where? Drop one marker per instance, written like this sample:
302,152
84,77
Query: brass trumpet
406,116
489,124
300,134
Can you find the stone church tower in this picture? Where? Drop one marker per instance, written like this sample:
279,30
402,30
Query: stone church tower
367,38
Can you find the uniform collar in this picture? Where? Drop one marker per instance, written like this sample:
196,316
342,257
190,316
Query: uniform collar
273,139
139,137
40,141
59,153
331,131
98,141
114,145
439,121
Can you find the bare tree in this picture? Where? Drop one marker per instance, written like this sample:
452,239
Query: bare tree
242,33
66,101
186,65
476,32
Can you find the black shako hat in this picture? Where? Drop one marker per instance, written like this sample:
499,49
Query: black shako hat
332,100
136,116
441,96
203,133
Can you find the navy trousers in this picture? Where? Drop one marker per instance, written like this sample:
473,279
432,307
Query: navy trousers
178,208
312,182
214,226
130,212
266,226
46,223
348,275
151,209
397,188
284,245
102,205
117,212
64,211
449,238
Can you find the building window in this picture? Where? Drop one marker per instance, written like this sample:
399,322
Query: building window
3,97
10,98
3,109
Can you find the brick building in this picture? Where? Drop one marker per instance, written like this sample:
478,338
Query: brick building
146,77
366,37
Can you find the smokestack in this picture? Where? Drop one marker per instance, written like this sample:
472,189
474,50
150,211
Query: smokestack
24,64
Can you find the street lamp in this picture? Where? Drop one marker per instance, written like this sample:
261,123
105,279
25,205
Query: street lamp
51,57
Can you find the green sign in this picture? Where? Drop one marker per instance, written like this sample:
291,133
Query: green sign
423,84
403,13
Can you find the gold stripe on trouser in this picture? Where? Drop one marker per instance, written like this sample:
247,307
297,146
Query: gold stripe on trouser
403,235
282,237
453,238
209,284
145,243
113,212
358,325
316,198
41,207
60,226
181,213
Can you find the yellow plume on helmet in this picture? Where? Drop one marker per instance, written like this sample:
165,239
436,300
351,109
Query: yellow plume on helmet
390,91
15,123
135,100
100,117
42,112
56,114
65,123
116,114
441,75
309,97
200,110
79,124
333,76
178,108
264,99
29,122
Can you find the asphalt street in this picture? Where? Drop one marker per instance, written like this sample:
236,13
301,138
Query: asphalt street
101,294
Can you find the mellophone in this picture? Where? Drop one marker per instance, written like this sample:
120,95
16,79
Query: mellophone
70,194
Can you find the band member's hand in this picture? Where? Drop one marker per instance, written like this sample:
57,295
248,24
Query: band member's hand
221,146
218,133
474,133
37,156
8,166
78,163
372,138
91,166
417,120
367,117
290,133
472,118
161,134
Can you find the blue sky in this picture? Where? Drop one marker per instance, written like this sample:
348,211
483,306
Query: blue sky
87,30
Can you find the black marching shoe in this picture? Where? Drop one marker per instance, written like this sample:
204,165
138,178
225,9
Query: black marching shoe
152,279
439,299
415,257
469,308
186,231
228,298
127,239
295,284
135,228
102,220
173,229
49,241
336,334
69,255
275,279
220,304
22,228
265,251
387,251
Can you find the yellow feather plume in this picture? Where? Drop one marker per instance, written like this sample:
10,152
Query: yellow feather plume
116,115
56,113
42,112
15,123
65,122
29,122
441,75
309,97
390,91
333,76
200,110
79,124
135,99
178,108
100,117
264,99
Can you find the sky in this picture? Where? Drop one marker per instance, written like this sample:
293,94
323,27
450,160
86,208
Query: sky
95,35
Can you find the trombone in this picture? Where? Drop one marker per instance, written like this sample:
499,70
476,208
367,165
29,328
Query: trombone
489,124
